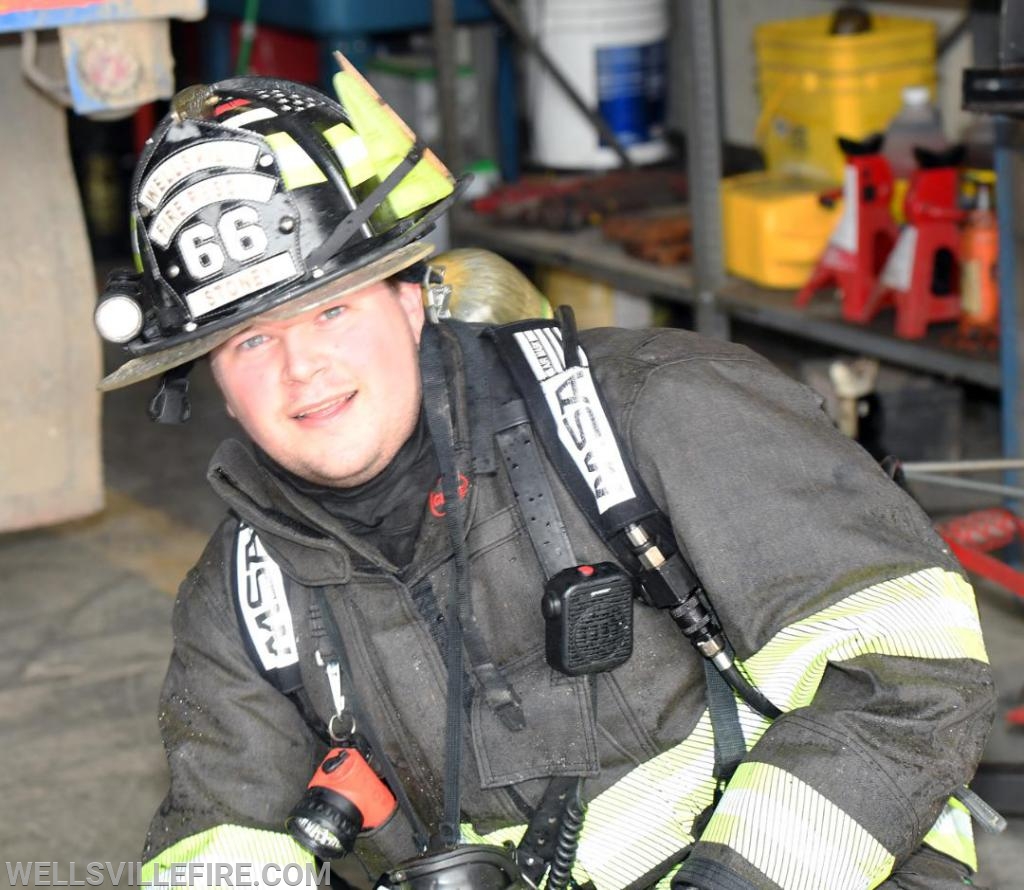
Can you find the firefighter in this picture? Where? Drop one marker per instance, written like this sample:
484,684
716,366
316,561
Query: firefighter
279,234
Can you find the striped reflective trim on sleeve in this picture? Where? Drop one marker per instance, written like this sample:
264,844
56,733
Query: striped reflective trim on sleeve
953,834
807,835
884,619
229,856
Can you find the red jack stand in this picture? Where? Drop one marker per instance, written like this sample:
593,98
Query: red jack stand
922,275
864,235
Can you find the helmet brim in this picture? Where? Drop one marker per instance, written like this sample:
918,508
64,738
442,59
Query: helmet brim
153,364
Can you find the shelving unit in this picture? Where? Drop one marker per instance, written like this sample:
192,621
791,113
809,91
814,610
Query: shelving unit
716,297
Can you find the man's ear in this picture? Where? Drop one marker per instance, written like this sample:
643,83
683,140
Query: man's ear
410,298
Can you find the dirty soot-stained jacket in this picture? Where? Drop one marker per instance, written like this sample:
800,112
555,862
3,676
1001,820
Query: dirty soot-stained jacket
841,602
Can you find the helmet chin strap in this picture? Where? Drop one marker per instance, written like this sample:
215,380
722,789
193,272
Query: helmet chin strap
171,403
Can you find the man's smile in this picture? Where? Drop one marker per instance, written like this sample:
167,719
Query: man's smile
324,409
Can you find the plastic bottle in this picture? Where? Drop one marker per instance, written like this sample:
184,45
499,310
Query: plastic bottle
918,123
979,252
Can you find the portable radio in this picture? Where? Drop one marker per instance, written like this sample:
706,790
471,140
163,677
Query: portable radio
588,615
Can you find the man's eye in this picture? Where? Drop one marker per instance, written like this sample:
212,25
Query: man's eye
332,312
252,342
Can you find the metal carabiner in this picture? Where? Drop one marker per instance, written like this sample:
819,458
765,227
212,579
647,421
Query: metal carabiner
332,668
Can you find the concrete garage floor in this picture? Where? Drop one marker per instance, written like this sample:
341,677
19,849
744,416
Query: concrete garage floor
85,638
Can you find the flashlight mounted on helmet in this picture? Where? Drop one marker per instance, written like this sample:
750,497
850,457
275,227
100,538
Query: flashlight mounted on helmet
119,316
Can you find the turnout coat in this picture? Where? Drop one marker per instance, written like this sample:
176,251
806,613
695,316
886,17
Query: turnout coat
841,602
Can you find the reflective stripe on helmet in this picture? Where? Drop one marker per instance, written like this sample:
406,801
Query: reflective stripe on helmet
297,168
351,151
388,141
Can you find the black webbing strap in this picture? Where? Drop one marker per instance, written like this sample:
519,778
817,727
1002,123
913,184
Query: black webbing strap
499,694
532,490
170,403
345,230
480,398
439,423
730,747
538,842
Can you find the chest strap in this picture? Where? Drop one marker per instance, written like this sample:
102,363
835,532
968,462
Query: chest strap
537,505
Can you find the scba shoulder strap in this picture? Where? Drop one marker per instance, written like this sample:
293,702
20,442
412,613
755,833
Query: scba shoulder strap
553,376
261,603
265,618
568,416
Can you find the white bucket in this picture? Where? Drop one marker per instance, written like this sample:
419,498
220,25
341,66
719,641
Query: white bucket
615,55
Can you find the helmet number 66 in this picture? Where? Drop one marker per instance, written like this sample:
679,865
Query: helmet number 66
240,236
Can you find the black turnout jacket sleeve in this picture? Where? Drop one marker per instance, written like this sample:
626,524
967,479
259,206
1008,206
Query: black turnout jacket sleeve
842,603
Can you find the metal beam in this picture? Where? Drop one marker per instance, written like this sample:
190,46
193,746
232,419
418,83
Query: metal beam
704,162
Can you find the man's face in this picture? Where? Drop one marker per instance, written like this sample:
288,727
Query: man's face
332,393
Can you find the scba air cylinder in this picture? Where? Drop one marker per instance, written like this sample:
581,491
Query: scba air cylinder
616,55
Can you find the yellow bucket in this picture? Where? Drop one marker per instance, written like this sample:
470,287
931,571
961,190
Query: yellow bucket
815,86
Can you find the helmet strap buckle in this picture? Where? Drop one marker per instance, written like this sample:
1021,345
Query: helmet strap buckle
171,403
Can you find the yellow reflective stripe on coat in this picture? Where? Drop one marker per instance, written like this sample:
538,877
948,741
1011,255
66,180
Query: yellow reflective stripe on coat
884,619
793,834
644,819
953,834
511,835
229,856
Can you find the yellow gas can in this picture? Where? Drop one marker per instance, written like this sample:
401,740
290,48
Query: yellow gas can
815,86
776,226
